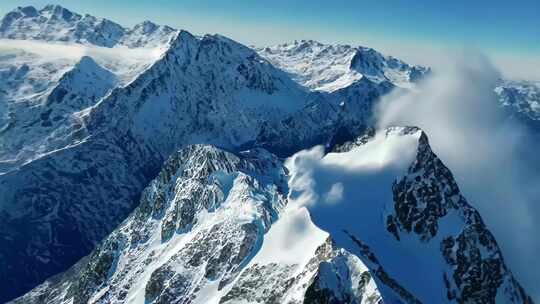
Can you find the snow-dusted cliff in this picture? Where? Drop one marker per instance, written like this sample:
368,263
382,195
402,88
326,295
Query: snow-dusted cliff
400,210
213,227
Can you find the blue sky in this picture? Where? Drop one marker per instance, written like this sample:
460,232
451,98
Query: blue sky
504,28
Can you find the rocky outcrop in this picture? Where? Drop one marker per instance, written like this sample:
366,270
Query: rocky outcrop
202,90
427,207
198,225
332,275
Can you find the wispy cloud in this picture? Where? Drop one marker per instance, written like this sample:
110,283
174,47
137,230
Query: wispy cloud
52,50
493,159
126,63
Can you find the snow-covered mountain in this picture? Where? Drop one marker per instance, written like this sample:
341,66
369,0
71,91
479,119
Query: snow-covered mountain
328,118
207,89
36,125
89,113
212,228
328,67
94,162
522,100
45,88
218,227
56,23
147,34
401,211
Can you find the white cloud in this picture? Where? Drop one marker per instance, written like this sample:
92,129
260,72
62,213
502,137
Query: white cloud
350,190
335,194
515,65
363,177
124,62
493,159
52,50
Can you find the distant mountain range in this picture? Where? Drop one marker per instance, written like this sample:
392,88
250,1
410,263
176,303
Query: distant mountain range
150,169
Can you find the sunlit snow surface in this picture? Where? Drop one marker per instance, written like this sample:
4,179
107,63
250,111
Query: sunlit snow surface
327,67
314,65
124,62
365,176
31,71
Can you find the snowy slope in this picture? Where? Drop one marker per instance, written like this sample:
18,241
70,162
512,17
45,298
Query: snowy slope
207,89
328,67
36,124
401,212
212,228
218,227
328,118
44,85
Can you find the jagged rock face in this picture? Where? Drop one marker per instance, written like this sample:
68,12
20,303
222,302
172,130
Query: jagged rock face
422,199
331,276
521,100
110,153
459,259
261,284
55,23
184,229
198,225
418,205
523,96
207,89
339,279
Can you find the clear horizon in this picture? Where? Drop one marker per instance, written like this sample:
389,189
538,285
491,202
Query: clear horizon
422,32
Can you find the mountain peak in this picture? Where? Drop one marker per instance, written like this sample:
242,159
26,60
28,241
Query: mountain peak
58,13
87,72
27,11
308,42
226,204
329,67
413,202
54,8
56,23
87,62
18,13
146,26
181,40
